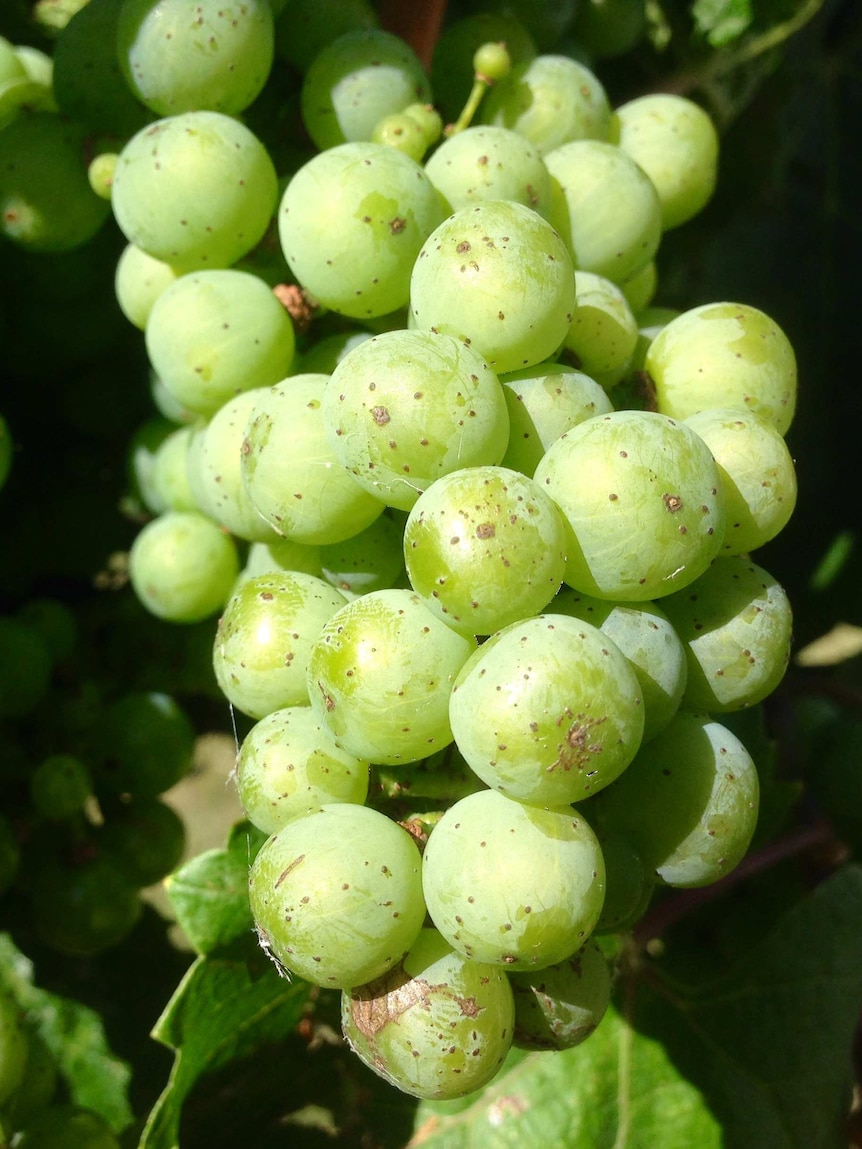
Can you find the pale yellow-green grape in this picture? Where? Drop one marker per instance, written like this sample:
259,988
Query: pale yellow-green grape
547,711
322,357
100,174
544,401
513,885
603,334
183,566
724,355
757,474
435,1026
282,555
39,67
380,673
641,287
402,132
560,1006
487,162
170,480
368,561
289,764
138,282
675,142
650,321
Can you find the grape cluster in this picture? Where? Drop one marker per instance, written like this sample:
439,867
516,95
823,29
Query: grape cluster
477,520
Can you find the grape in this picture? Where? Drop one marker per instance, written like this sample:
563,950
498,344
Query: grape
170,477
55,622
675,142
688,803
289,764
757,475
510,884
545,401
724,355
603,334
189,55
142,744
736,625
67,1127
292,477
141,463
13,1047
371,560
484,547
560,1006
282,555
25,668
452,62
483,163
436,1026
645,635
551,100
337,895
46,202
351,223
641,495
379,677
640,288
59,786
264,639
138,283
547,711
605,208
609,28
215,333
144,837
629,885
82,909
405,407
182,566
547,21
355,81
402,132
38,1085
307,26
498,276
194,190
322,357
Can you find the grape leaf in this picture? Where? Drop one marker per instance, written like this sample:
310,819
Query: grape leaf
95,1077
223,1009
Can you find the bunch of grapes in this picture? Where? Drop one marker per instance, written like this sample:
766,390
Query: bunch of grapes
476,517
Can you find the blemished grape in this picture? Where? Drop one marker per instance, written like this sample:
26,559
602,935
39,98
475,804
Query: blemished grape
547,711
402,132
688,803
183,566
59,786
513,885
138,283
193,55
736,627
603,334
337,895
145,837
13,1046
289,764
487,162
379,677
642,497
142,744
265,636
560,1006
406,407
351,223
500,277
68,1127
484,547
724,355
437,1025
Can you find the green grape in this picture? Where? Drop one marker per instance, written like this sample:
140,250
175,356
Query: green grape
484,547
170,477
67,1127
83,909
547,21
406,407
640,288
141,462
194,190
282,555
144,837
351,223
483,163
545,401
38,1085
10,855
138,282
429,120
213,334
498,276
724,355
551,100
142,744
605,208
293,478
6,450
757,475
11,67
560,1006
510,884
629,885
609,28
355,81
46,202
13,1047
322,357
38,66
688,803
547,711
265,636
59,786
337,895
100,173
289,764
650,321
368,561
645,635
402,132
189,55
55,622
603,335
675,142
436,1026
25,668
182,566
87,80
736,626
166,404
642,498
305,27
379,677
452,63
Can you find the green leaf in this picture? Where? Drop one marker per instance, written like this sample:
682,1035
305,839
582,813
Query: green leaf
223,1009
722,21
95,1077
